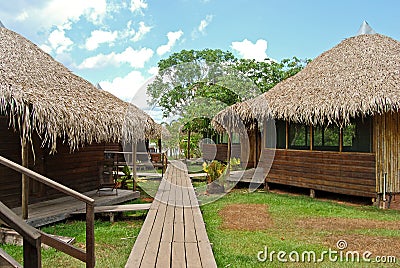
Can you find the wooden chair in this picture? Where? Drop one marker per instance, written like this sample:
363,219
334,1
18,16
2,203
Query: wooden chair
159,160
107,180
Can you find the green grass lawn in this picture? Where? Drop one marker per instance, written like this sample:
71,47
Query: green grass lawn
114,242
239,248
293,227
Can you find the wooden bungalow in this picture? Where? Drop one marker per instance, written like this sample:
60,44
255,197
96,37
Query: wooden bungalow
336,122
55,123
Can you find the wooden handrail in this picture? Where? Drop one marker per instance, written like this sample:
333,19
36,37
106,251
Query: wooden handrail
46,181
11,219
33,237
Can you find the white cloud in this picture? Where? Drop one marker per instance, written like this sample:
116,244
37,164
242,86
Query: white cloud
143,29
59,42
138,5
153,70
201,29
125,87
98,37
46,48
172,38
22,16
135,58
248,50
51,13
204,23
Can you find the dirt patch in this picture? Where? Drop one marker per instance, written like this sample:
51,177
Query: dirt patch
342,224
245,217
377,245
339,228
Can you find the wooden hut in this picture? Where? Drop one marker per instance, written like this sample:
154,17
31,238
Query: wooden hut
56,123
336,121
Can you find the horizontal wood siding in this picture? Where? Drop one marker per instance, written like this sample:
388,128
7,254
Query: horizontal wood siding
219,151
77,170
10,181
344,173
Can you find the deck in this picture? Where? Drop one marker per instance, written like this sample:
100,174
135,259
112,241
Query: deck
59,209
173,234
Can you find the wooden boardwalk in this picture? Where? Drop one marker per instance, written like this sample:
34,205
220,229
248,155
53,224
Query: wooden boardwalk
173,234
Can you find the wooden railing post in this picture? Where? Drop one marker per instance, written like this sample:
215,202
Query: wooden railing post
25,180
32,254
33,236
90,240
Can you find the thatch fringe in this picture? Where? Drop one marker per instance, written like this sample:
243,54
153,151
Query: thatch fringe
358,77
41,95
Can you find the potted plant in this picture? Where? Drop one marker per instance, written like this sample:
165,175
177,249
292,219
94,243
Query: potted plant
215,171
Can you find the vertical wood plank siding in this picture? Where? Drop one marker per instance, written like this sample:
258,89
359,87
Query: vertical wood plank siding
344,173
386,146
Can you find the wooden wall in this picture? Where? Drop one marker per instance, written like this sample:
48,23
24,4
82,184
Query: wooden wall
77,170
387,147
219,151
344,173
10,181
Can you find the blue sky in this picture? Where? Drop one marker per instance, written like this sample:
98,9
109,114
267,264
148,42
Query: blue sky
118,43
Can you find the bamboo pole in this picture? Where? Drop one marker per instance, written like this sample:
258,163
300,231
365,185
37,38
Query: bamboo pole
228,164
341,139
25,180
311,137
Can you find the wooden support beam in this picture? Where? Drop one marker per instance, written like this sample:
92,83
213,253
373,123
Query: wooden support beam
25,179
341,139
228,156
159,146
312,193
134,173
311,137
188,145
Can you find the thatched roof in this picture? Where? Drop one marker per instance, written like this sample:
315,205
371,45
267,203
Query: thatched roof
358,77
42,95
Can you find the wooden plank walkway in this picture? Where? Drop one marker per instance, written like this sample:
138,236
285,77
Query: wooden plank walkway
173,234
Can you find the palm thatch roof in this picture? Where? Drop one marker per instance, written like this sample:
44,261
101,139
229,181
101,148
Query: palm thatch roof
358,77
41,95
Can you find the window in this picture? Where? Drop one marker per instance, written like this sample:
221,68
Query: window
326,138
235,138
299,136
357,136
270,134
280,134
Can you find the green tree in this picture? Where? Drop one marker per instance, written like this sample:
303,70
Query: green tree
266,74
186,75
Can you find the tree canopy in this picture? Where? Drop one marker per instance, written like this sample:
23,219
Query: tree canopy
214,74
